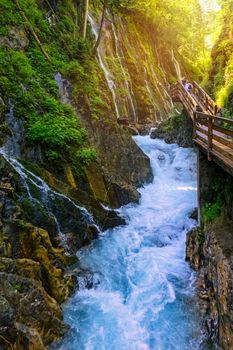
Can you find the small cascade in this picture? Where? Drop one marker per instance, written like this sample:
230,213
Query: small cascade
177,66
13,142
65,213
107,73
127,80
152,99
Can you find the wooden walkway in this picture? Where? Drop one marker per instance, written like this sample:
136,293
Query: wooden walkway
212,133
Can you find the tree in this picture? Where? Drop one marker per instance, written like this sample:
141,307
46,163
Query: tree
85,18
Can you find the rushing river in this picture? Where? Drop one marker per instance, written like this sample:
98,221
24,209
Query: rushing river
144,296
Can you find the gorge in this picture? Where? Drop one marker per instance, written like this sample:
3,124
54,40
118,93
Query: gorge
95,206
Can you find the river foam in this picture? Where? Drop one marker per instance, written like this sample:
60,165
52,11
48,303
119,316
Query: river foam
144,296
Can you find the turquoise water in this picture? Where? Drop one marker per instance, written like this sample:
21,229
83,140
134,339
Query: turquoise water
143,296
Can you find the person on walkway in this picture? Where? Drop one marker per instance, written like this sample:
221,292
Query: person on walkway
188,87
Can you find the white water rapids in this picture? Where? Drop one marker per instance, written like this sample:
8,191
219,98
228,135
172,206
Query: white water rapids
143,296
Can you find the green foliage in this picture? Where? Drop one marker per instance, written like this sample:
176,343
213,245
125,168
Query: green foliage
27,78
180,25
220,74
17,286
21,224
211,212
176,120
86,155
58,127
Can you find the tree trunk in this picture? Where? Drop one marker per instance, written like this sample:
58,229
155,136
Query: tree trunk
101,26
28,24
86,5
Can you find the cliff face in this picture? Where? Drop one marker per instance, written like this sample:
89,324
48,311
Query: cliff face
210,251
213,260
130,56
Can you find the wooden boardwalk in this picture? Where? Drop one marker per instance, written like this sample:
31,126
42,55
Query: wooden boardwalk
212,133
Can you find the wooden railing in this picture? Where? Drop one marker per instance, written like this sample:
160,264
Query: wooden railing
204,100
179,94
214,134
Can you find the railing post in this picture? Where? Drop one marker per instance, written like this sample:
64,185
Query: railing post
206,104
210,137
194,124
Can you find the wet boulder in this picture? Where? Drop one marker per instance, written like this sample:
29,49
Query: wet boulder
25,302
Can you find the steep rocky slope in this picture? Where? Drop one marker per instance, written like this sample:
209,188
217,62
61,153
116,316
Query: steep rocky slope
209,251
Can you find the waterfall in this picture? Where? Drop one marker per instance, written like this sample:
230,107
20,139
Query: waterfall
127,79
16,127
177,66
107,73
112,51
144,291
152,99
57,205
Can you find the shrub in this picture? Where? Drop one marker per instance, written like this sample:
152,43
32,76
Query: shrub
211,212
86,155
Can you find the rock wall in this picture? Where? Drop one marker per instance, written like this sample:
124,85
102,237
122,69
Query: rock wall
210,251
137,68
177,129
33,281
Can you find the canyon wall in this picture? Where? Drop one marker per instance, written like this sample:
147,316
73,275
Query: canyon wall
210,251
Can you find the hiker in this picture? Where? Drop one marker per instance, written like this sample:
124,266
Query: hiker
188,87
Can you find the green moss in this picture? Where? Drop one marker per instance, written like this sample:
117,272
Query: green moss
211,212
174,121
21,224
27,79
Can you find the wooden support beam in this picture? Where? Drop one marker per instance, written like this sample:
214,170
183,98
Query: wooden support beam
210,138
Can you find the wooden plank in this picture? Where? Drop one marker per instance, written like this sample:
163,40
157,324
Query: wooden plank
223,130
224,141
202,139
226,120
202,122
225,151
224,162
203,131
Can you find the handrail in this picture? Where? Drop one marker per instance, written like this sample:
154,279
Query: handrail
226,120
212,133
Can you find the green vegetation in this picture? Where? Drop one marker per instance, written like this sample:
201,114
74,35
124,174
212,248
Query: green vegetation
211,212
175,121
180,26
219,80
222,199
27,78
